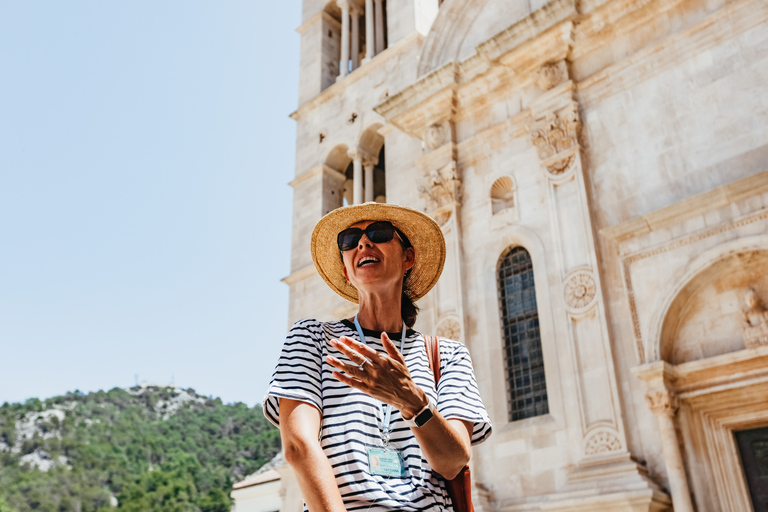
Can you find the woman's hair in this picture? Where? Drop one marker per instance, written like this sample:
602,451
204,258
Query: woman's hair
408,310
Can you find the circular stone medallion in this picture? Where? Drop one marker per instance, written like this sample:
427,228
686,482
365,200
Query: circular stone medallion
580,290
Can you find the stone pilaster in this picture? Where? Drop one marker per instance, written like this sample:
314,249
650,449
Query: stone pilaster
664,404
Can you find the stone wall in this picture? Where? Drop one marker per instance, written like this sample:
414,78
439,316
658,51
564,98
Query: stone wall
624,146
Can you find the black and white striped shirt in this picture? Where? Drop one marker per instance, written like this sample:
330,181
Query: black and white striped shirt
351,420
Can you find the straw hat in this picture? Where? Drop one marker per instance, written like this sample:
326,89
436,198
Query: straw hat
422,231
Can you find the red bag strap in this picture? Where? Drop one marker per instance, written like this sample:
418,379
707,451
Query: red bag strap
433,355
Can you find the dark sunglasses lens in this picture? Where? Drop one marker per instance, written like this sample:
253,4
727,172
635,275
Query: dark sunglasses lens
348,238
380,232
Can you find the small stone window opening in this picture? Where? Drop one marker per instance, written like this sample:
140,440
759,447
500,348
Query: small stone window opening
502,194
523,356
378,187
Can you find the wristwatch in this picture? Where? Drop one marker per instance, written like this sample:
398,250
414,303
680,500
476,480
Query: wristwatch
423,416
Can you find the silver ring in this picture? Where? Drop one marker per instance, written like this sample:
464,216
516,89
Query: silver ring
362,365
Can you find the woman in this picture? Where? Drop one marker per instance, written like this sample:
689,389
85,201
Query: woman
362,424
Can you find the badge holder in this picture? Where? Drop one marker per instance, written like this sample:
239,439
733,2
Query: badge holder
384,460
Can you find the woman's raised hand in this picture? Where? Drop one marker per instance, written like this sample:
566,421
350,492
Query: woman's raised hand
385,377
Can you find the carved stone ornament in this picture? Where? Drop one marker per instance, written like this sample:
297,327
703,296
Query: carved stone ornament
436,135
449,328
554,136
550,75
662,402
580,290
602,441
441,187
755,321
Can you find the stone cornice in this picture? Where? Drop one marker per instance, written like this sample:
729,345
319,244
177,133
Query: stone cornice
519,51
314,172
689,208
322,15
704,376
300,275
380,60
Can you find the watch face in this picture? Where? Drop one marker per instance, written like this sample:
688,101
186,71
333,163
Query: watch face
422,418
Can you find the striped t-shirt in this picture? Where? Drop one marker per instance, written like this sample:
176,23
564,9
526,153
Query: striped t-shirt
351,420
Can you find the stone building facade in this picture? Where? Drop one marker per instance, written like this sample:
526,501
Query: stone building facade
600,171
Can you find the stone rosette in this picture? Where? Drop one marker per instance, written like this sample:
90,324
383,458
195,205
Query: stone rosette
601,442
580,290
449,328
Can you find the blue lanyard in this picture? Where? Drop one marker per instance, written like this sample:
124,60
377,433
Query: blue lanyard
386,409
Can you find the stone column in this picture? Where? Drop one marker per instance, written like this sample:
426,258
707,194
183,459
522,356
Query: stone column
344,63
355,12
379,27
357,175
369,37
664,405
368,181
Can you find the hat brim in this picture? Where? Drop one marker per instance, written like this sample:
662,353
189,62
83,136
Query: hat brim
422,231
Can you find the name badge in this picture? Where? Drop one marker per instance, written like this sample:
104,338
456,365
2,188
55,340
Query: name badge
385,462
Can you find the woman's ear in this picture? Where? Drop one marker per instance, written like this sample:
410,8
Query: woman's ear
410,258
344,270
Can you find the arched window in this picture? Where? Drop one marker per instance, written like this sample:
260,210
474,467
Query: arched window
524,362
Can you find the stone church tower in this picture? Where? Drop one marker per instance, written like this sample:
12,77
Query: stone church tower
600,171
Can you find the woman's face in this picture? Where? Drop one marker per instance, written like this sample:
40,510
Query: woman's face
379,267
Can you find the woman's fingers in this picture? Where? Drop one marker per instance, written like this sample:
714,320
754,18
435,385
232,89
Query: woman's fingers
354,350
352,382
391,348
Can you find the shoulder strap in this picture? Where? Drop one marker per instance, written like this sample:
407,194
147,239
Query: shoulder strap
433,355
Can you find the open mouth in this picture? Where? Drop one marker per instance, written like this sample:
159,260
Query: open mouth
368,260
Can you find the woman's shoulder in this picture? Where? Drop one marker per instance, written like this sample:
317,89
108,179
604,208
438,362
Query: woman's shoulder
317,327
452,348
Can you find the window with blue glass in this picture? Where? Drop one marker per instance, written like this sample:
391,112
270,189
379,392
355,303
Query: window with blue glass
524,361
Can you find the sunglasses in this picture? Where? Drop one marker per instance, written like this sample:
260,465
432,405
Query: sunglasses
379,232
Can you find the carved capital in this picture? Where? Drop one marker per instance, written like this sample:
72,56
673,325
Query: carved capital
441,187
662,402
365,157
556,136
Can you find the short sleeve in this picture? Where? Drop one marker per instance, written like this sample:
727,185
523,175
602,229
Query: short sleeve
457,393
297,375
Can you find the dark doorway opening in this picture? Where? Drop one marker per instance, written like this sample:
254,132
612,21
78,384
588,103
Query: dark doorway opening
753,448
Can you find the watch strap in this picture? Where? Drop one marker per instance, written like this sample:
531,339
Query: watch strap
423,416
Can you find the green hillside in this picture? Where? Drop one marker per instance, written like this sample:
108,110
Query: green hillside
141,449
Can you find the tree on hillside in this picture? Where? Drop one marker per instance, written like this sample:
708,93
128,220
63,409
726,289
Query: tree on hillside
4,507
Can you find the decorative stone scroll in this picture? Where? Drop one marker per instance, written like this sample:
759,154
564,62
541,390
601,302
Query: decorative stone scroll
755,330
437,135
551,74
580,290
441,188
556,138
601,442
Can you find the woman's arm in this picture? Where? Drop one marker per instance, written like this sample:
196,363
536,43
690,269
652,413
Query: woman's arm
299,428
445,443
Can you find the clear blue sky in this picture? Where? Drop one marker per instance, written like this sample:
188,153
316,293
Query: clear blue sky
145,216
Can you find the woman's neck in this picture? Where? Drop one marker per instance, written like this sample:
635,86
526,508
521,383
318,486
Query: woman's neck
380,313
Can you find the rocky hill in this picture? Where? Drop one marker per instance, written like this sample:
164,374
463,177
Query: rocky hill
146,448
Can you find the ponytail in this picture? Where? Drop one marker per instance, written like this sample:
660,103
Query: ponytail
408,310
